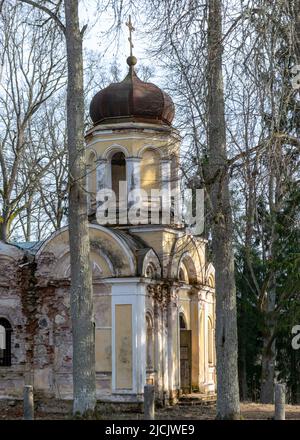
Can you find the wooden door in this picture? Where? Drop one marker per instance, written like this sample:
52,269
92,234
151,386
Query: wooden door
185,360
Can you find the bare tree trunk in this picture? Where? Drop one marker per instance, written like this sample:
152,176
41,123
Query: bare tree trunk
228,406
28,219
269,349
268,352
81,279
275,188
3,229
247,275
297,30
242,355
268,367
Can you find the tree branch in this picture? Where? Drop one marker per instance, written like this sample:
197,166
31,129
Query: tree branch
47,11
84,28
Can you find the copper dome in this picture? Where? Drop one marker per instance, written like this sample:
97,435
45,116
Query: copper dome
132,100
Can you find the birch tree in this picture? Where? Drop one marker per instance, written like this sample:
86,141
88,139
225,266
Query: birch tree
222,230
84,382
46,203
32,71
81,278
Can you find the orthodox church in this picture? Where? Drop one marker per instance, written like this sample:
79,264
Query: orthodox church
153,289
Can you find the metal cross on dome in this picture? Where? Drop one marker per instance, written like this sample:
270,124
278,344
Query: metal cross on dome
131,29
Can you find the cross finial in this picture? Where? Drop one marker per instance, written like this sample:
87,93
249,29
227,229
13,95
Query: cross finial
131,29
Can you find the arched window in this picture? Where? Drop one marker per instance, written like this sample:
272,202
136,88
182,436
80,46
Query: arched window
183,273
118,171
182,322
5,343
210,341
187,270
149,343
151,271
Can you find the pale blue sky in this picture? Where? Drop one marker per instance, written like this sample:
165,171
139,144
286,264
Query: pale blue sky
113,46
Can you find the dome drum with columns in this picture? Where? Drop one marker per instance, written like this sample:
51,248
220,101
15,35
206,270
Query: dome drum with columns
153,289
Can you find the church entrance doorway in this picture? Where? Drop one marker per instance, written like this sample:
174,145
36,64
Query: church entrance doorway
185,356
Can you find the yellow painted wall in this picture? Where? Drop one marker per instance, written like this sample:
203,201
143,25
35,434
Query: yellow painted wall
162,243
133,140
150,171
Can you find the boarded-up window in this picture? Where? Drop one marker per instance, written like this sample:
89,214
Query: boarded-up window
2,338
5,343
103,350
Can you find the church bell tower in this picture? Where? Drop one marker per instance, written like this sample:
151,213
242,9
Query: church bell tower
133,151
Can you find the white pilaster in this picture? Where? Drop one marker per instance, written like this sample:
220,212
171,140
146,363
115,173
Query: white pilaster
134,294
88,187
158,346
177,370
166,190
194,325
166,175
133,167
206,366
102,174
201,378
173,349
177,198
165,333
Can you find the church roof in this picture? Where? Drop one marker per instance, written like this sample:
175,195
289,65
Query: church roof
134,243
9,250
31,246
132,100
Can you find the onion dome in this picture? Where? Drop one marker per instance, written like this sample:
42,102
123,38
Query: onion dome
132,100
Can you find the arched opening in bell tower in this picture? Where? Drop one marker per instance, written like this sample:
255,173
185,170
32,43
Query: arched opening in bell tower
118,171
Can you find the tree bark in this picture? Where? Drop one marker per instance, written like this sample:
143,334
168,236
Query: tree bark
268,368
297,30
81,279
269,348
228,406
4,229
242,354
269,343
